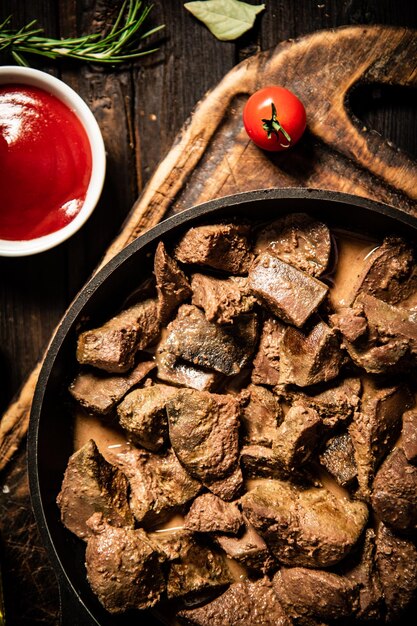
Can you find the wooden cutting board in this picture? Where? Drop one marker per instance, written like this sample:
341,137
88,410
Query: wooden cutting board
212,157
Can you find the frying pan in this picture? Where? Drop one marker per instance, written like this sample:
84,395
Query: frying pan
50,432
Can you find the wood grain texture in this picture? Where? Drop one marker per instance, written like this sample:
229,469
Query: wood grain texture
140,109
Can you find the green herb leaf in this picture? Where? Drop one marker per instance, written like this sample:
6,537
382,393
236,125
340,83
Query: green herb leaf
226,19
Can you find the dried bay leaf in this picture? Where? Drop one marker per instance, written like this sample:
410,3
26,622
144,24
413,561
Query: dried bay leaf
226,19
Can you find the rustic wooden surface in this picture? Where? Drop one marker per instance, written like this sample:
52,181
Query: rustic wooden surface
140,109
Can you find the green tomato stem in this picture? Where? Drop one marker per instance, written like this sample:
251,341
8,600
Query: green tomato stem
274,127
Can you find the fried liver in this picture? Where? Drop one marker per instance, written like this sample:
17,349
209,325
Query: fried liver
394,492
299,240
99,393
351,322
209,513
123,568
286,291
92,485
266,362
173,370
248,548
142,415
409,435
203,430
307,527
220,246
318,594
244,603
338,458
297,436
396,559
309,358
222,300
375,427
159,485
172,285
260,417
112,347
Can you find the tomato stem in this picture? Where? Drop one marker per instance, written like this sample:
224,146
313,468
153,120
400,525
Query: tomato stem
273,127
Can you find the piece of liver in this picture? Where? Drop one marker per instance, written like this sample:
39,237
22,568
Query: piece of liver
222,299
258,460
409,435
362,570
394,492
99,392
172,285
159,485
307,527
209,513
386,357
204,433
261,415
375,428
123,567
249,549
338,458
396,559
177,372
266,362
299,240
224,349
246,603
284,290
351,322
335,402
315,593
92,485
309,358
220,246
112,347
142,414
388,273
297,436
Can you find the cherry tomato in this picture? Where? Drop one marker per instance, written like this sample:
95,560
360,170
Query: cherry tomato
274,118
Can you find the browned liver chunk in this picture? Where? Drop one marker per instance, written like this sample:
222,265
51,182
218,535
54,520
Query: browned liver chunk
389,273
266,362
221,299
261,415
92,485
297,436
409,435
143,416
394,496
351,322
396,559
159,485
298,240
389,320
338,457
209,514
309,358
335,403
197,570
249,549
122,567
245,603
307,527
225,349
258,460
375,428
203,429
113,346
286,291
99,392
173,370
315,593
221,246
361,569
172,284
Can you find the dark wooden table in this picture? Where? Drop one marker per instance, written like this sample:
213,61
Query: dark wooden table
140,108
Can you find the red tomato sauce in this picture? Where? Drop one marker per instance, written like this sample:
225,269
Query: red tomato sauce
45,163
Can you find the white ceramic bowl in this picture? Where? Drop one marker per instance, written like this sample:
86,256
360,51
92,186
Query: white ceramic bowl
54,86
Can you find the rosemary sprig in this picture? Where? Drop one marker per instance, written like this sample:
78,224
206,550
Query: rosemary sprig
119,45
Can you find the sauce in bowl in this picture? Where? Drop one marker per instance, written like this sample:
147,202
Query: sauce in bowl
45,163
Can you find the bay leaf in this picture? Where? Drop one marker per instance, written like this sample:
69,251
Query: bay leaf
226,19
